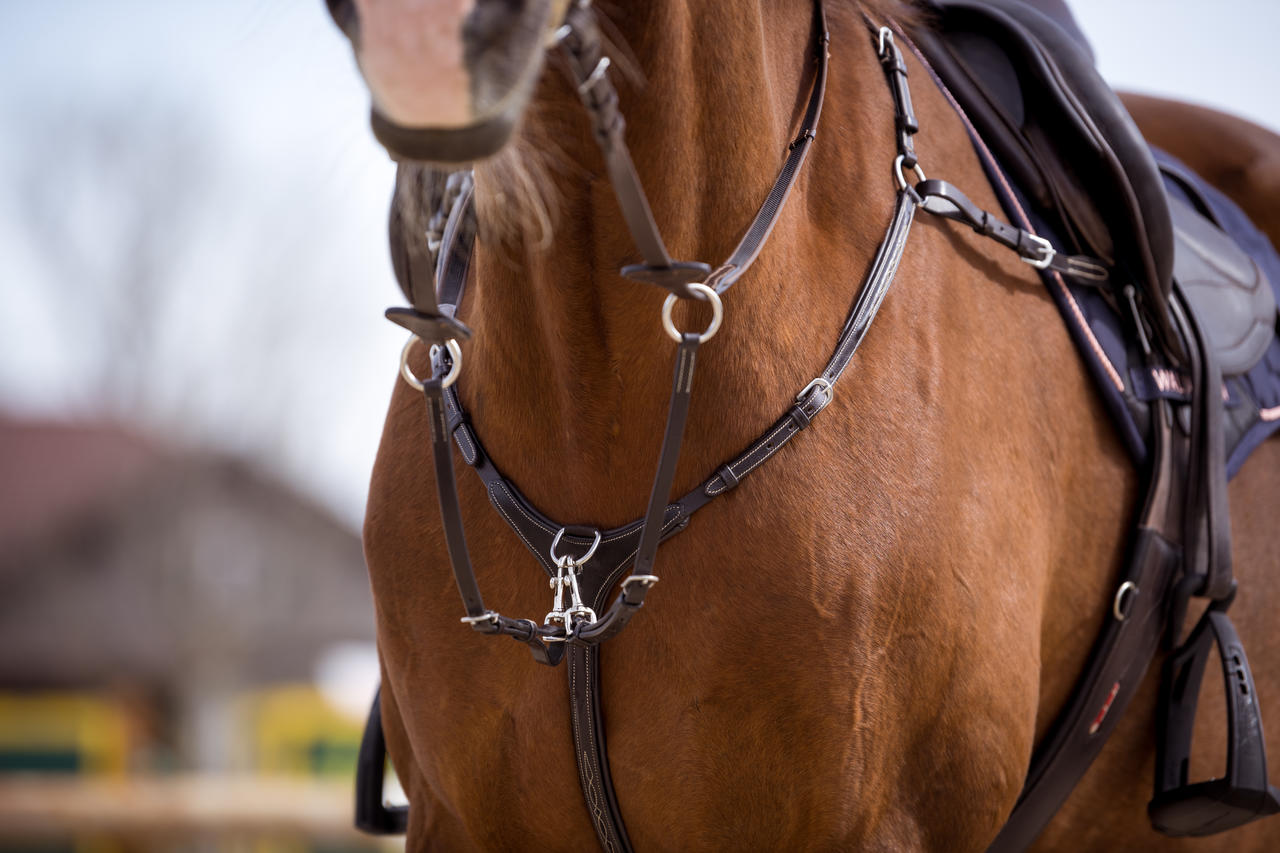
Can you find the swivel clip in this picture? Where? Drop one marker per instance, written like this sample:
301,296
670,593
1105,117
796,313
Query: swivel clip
566,578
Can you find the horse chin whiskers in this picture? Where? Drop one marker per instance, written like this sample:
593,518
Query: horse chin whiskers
517,205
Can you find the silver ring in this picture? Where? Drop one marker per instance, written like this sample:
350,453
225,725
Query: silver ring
902,179
717,313
577,561
1118,609
455,354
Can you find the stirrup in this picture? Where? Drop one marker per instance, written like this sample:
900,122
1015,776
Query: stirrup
1243,795
373,815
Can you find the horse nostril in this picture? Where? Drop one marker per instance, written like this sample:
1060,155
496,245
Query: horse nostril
344,15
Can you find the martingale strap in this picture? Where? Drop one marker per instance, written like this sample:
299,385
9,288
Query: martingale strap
580,40
593,561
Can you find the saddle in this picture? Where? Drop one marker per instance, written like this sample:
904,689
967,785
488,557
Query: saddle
1181,341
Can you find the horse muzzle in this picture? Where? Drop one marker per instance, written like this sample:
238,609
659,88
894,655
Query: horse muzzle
449,79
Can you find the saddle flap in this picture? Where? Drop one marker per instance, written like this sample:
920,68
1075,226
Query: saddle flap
1242,795
1227,291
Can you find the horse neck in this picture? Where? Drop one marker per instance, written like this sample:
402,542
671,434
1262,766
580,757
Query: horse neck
570,370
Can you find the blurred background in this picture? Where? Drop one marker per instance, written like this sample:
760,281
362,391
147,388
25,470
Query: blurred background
193,376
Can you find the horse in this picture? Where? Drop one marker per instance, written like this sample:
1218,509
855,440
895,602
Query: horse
1236,156
861,646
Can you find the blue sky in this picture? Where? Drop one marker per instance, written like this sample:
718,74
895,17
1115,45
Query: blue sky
272,341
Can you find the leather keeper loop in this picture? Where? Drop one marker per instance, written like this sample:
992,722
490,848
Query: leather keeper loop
800,416
726,475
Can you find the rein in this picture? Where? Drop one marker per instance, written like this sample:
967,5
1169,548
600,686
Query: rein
584,564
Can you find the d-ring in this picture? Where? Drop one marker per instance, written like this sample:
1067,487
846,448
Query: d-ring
1120,606
556,558
902,179
705,293
455,355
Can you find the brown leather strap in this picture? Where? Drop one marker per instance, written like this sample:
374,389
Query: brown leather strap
411,259
591,749
588,68
1122,653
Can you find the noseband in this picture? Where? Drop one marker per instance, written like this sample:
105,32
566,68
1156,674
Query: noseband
584,564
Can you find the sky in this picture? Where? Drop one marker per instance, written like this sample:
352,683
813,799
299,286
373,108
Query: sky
237,143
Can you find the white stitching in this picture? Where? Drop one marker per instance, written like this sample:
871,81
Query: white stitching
686,371
612,577
513,525
465,443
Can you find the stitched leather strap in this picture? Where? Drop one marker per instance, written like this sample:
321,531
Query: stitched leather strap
819,393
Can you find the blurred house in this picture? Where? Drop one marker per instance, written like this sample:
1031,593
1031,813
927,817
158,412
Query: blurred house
165,610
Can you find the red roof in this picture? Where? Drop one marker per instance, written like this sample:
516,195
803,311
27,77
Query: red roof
52,470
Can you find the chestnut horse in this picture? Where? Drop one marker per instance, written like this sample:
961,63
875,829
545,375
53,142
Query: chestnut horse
858,648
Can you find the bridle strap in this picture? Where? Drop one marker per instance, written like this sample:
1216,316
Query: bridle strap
580,43
588,71
411,257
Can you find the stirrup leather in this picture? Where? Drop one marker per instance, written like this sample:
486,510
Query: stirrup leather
1180,808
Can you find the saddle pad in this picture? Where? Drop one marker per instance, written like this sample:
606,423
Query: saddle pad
1250,353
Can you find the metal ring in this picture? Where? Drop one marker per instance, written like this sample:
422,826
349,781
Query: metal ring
455,354
1117,608
902,179
705,293
577,561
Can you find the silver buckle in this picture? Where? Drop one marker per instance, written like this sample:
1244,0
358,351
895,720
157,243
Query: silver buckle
828,392
488,616
1046,252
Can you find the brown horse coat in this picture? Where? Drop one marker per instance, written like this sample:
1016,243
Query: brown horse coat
858,648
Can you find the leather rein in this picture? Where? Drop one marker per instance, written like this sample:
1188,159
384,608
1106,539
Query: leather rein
584,563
